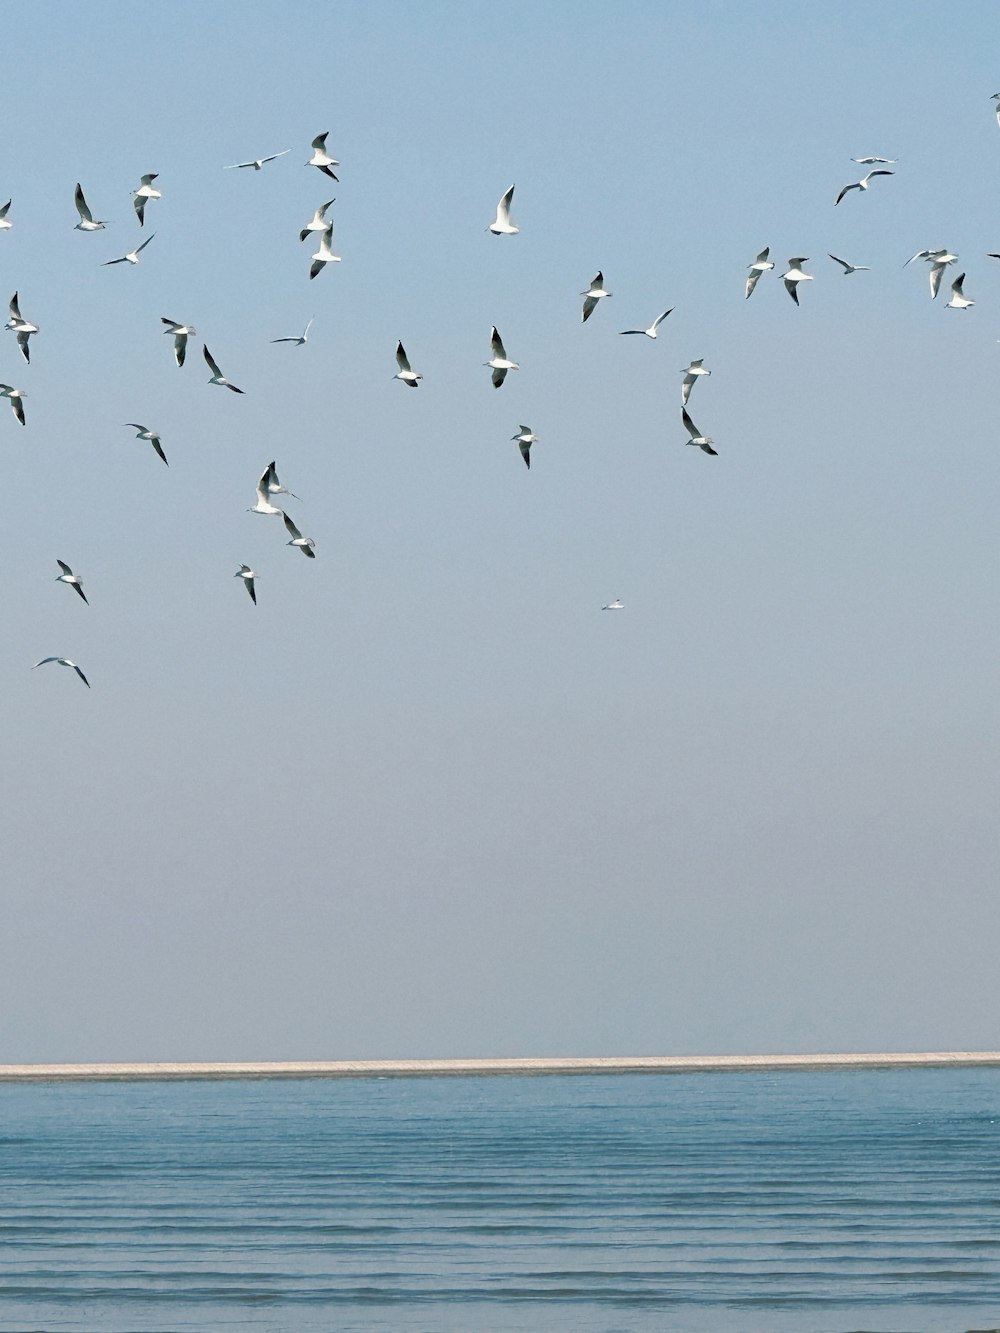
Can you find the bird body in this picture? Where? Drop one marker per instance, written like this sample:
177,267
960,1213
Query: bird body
958,301
404,373
501,225
74,580
500,362
592,295
217,375
321,158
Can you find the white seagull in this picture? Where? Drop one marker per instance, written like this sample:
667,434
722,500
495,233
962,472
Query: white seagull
939,263
87,220
5,223
404,373
691,374
74,580
958,299
593,294
181,334
301,339
264,505
15,396
324,255
318,222
996,98
849,268
500,362
758,268
501,224
704,442
305,544
321,158
525,439
862,184
133,255
144,433
875,161
217,375
64,661
794,276
22,328
934,256
247,575
616,605
145,192
274,486
257,162
651,331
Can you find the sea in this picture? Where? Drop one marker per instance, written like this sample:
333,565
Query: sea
819,1202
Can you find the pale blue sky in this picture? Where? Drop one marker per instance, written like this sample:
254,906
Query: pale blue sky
426,799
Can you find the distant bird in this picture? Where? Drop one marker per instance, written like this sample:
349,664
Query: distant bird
301,339
616,605
958,299
501,225
22,328
15,396
321,158
145,192
794,276
875,161
593,294
861,184
996,98
87,220
144,433
5,224
305,544
992,256
525,439
247,575
64,661
264,505
691,375
651,331
704,442
217,375
274,486
133,255
318,222
758,268
405,374
934,256
500,362
74,580
181,334
258,162
324,255
849,268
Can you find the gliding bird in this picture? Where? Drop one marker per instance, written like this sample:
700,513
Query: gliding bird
501,225
758,268
651,331
74,580
144,433
133,255
145,192
875,161
324,255
181,334
525,439
691,374
22,328
301,339
500,362
794,276
247,575
15,396
258,162
405,374
958,299
87,220
321,158
861,184
593,294
64,661
305,544
849,268
217,375
318,222
616,605
704,442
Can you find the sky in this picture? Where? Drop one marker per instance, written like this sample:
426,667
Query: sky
426,799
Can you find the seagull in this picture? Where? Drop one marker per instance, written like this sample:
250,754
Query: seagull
181,334
593,294
938,267
74,580
704,442
15,396
616,605
324,255
651,331
936,256
405,374
500,362
875,161
861,184
21,327
87,220
258,162
318,222
133,255
958,299
144,433
145,192
64,661
321,158
274,486
264,505
301,339
525,439
4,224
217,375
758,268
996,98
247,575
849,268
691,374
794,276
501,225
305,544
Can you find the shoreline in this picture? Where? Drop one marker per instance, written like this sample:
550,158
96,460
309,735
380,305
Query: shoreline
642,1064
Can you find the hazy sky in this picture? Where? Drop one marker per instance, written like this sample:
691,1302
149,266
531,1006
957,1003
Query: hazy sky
426,799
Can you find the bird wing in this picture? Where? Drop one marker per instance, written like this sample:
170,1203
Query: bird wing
691,428
15,309
251,589
762,257
139,204
180,347
496,342
956,286
47,659
753,277
686,388
401,358
290,527
155,442
855,186
22,342
842,262
627,331
498,377
935,279
17,406
791,289
660,318
273,156
212,365
139,249
81,205
598,283
66,662
3,211
315,267
109,262
525,447
503,207
320,141
262,488
589,306
64,567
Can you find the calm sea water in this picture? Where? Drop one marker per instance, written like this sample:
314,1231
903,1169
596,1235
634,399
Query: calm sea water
814,1202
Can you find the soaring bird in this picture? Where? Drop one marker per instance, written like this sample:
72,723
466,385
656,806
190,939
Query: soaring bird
758,268
15,396
264,505
22,328
321,158
958,299
500,362
318,222
258,162
651,331
144,433
217,375
996,98
74,580
794,276
704,442
133,255
691,375
247,575
181,334
616,605
145,192
404,373
305,544
301,339
501,224
324,255
875,161
862,184
525,439
64,661
593,294
87,220
849,268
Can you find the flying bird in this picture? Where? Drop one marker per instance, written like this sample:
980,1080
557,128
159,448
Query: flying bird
861,184
651,331
405,374
501,224
318,222
181,334
74,580
500,362
264,505
305,544
324,255
274,486
258,162
958,299
321,158
64,661
133,255
996,98
247,575
15,396
593,294
145,192
144,433
301,339
5,223
794,276
616,605
758,268
217,375
87,220
21,327
849,268
691,375
525,439
704,442
875,161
